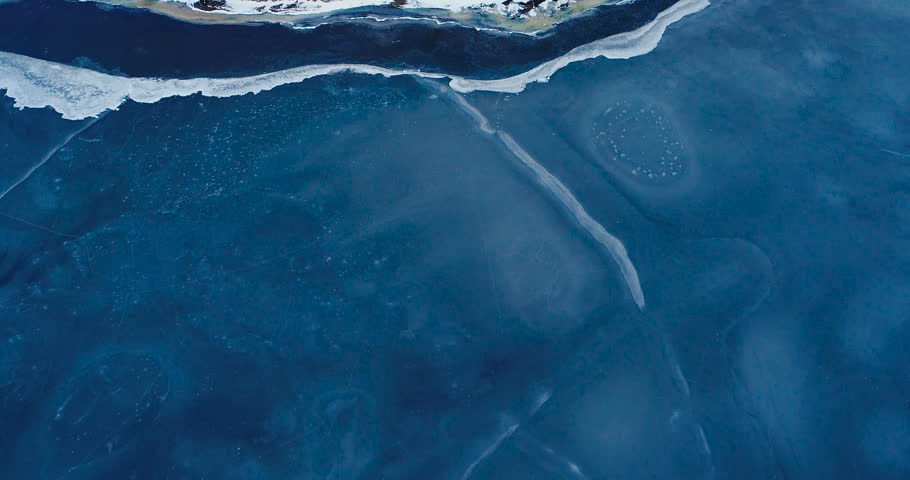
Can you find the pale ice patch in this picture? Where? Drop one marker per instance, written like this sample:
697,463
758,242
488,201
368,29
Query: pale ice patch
781,385
78,93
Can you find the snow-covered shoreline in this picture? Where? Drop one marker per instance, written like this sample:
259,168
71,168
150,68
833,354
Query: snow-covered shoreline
78,93
510,8
517,16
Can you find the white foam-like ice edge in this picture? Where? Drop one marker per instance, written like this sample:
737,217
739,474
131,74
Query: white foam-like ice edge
78,93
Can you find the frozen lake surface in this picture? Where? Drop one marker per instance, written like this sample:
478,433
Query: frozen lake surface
663,240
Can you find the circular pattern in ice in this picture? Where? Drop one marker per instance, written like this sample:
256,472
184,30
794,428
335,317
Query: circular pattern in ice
636,139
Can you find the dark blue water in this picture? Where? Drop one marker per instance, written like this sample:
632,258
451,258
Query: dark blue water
347,278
